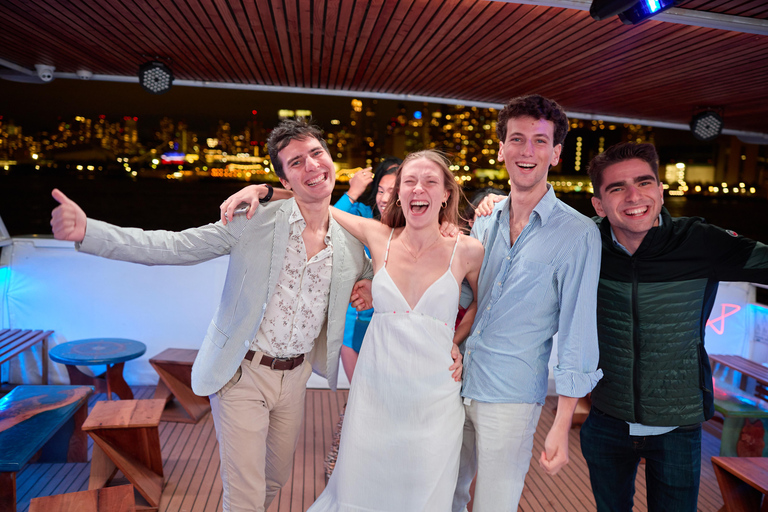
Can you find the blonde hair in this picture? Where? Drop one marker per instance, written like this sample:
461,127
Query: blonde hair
393,213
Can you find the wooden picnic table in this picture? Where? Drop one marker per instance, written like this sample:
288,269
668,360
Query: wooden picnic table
44,419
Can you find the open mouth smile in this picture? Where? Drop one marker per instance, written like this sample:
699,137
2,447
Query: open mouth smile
419,206
322,178
636,212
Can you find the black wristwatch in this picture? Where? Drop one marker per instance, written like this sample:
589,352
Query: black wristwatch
267,197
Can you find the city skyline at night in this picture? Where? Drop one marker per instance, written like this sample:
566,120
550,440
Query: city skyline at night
119,125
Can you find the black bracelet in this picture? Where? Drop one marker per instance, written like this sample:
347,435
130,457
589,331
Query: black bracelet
267,197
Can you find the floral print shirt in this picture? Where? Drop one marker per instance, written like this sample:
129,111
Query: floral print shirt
296,311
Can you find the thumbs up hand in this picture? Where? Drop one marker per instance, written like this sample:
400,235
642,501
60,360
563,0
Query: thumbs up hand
68,219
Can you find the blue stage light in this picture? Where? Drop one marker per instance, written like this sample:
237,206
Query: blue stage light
644,9
631,12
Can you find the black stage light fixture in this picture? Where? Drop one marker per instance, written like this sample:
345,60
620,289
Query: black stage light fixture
604,9
707,125
155,77
631,12
644,9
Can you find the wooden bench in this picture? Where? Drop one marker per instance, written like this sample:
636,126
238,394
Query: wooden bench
743,482
736,407
174,367
110,499
15,341
125,437
747,368
45,419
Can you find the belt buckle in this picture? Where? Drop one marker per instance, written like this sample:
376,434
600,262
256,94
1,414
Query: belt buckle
275,360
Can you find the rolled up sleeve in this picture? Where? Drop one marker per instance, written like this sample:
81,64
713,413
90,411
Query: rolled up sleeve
576,373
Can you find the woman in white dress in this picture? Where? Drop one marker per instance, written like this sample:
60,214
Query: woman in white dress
403,426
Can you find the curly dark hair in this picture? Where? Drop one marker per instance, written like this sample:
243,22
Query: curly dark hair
537,107
620,153
284,133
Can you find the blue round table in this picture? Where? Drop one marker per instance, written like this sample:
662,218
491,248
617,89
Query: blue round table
112,352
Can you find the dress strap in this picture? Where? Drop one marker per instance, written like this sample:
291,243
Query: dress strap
455,245
386,254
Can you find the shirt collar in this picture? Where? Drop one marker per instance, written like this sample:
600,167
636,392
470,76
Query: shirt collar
616,243
543,208
546,205
296,216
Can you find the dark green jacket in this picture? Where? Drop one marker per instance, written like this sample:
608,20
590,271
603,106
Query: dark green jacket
652,309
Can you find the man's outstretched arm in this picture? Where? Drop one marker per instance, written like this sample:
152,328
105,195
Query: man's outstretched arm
158,247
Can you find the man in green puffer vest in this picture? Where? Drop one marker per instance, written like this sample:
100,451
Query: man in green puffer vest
658,281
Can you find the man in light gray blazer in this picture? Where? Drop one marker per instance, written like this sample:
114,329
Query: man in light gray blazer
291,273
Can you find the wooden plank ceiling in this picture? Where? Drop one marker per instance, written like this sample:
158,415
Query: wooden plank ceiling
464,50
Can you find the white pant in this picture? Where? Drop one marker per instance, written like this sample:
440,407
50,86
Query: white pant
498,442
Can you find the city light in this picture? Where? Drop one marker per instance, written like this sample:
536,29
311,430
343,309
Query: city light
466,134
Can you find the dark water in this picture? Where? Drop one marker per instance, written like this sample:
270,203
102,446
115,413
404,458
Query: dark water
26,203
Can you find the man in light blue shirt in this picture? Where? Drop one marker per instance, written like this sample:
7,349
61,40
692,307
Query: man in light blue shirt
539,277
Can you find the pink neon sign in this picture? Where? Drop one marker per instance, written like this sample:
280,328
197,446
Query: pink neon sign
726,310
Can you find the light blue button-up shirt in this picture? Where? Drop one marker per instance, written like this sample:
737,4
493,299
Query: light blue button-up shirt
545,283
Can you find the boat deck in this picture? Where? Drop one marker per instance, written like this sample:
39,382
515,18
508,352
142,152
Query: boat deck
191,467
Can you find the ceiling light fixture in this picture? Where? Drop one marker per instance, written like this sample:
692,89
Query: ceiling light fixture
155,77
707,125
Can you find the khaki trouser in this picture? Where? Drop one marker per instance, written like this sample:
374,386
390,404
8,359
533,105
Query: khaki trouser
258,416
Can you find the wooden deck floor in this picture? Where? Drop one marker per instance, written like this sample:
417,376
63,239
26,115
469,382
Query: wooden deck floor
192,484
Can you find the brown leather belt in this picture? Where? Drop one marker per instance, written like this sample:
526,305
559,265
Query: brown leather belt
277,363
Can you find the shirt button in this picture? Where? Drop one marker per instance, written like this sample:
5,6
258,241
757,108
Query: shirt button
488,308
499,283
507,257
246,343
